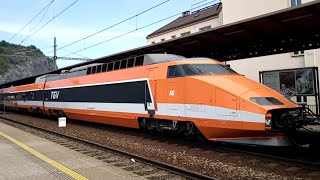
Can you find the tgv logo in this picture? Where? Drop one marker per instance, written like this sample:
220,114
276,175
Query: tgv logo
55,94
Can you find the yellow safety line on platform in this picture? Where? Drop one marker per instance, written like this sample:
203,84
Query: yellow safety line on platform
45,158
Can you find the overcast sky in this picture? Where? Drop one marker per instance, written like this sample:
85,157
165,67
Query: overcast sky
82,19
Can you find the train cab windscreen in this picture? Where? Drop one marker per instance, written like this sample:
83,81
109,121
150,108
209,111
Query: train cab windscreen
198,69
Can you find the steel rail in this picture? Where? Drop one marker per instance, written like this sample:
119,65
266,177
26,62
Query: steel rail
164,166
300,163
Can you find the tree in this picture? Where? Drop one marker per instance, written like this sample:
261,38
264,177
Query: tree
32,47
4,43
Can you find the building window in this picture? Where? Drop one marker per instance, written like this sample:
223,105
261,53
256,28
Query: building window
163,40
298,53
153,42
185,33
205,28
295,3
173,37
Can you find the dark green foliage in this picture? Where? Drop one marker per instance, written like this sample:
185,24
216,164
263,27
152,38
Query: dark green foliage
4,65
14,49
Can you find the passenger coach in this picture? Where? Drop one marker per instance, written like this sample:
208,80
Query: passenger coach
162,92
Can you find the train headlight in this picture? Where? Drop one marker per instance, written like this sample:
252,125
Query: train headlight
268,120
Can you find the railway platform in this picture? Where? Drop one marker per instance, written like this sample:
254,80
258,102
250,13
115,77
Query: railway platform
26,156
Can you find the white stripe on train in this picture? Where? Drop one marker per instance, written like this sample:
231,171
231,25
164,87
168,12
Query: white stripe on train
183,110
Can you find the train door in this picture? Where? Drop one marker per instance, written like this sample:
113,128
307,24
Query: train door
151,106
175,106
226,107
45,97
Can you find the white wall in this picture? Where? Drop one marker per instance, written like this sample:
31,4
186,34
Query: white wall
193,28
236,10
250,67
306,1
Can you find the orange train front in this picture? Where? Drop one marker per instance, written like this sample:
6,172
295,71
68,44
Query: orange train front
163,92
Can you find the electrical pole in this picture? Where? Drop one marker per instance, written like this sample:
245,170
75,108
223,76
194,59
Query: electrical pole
55,52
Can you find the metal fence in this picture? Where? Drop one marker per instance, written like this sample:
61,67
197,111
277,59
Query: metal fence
313,108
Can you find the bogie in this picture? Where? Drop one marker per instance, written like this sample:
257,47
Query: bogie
160,125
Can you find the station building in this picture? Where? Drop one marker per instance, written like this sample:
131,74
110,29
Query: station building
212,14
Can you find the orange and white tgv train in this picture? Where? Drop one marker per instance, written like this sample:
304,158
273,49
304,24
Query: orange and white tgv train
161,92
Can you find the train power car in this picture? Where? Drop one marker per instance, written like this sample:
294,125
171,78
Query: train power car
163,92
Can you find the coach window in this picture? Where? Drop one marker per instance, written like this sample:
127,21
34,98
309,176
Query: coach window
123,64
18,96
99,68
94,70
11,96
104,67
89,70
174,71
139,61
130,62
116,65
110,66
24,96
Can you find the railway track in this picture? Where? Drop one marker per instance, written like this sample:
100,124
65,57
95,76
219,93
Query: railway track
289,165
145,167
295,162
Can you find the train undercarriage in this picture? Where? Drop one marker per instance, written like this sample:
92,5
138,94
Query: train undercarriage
160,125
290,120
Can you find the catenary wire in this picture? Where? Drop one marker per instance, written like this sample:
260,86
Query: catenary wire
75,53
39,21
98,32
49,21
122,34
31,20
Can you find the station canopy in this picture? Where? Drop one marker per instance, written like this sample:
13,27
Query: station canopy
288,30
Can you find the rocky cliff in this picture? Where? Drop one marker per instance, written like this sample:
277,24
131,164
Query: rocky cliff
18,62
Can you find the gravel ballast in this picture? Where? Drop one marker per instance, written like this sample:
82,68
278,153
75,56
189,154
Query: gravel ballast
208,162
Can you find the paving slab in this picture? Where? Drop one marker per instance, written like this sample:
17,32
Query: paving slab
26,156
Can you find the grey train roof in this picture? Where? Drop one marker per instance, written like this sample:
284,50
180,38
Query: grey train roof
160,58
